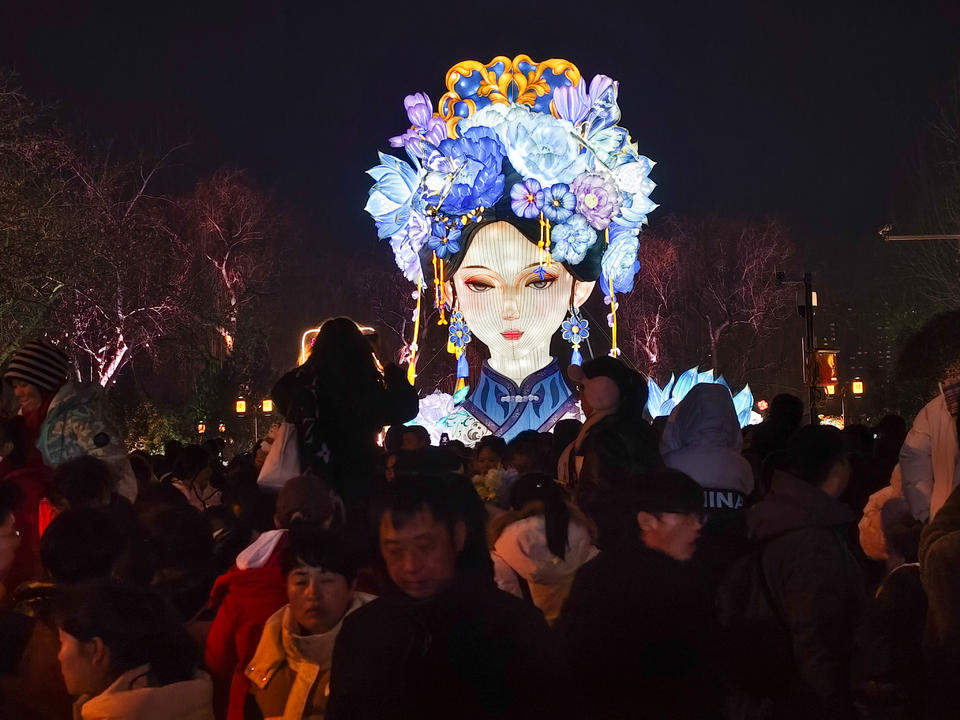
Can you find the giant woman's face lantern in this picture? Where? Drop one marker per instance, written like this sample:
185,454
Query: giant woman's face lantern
504,301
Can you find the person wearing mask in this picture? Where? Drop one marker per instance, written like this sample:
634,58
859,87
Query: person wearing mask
444,641
635,627
813,585
340,401
252,590
290,670
540,543
124,656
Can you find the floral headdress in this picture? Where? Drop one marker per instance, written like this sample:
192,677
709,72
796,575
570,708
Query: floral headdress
580,175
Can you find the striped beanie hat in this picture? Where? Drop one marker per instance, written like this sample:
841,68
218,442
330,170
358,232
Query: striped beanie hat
39,363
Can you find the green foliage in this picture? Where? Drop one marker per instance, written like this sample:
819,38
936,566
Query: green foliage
147,429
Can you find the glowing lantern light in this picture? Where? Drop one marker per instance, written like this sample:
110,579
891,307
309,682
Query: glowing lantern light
222,428
831,390
201,428
241,406
762,405
856,387
267,406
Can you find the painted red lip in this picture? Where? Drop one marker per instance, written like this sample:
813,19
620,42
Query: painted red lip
512,334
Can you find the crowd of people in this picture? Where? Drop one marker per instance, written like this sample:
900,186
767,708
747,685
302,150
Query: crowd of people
611,568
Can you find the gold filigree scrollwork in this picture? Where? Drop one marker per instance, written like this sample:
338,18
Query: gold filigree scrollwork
529,85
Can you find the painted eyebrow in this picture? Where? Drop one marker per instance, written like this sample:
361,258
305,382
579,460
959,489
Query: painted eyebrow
484,267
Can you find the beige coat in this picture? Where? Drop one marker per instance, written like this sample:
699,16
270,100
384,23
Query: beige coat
519,548
130,697
283,653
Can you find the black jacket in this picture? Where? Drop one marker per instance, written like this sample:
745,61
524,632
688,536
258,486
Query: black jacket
817,588
472,651
636,631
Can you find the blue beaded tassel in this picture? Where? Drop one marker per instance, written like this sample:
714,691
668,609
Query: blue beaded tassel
575,330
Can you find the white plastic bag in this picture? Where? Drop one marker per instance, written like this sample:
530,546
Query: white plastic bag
283,460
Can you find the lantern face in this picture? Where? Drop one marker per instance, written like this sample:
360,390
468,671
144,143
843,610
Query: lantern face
267,406
857,387
241,406
831,390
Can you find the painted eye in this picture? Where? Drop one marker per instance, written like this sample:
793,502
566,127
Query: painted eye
478,285
539,284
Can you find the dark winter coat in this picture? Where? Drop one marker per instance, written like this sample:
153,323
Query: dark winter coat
817,589
615,451
636,632
337,436
940,573
472,651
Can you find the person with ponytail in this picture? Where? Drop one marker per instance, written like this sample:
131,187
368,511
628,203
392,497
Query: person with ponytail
540,543
125,656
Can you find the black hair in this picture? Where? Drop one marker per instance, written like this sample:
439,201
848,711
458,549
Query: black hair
137,625
190,462
178,536
81,544
903,537
342,358
493,443
540,487
333,551
632,388
525,453
812,452
411,494
393,438
85,481
566,431
172,448
10,499
787,410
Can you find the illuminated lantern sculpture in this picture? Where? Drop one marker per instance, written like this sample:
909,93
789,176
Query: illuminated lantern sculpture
521,194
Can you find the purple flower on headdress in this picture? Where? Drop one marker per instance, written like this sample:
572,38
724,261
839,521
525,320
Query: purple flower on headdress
598,199
444,241
558,203
526,198
425,126
572,239
574,102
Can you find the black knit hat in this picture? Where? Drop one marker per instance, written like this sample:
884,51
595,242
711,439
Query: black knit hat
39,363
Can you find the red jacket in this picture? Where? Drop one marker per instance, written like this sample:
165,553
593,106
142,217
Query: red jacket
244,600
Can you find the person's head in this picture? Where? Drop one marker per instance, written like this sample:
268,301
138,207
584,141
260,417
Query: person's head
415,437
310,499
85,481
901,531
488,454
889,435
507,305
142,469
525,454
393,439
171,449
35,372
81,544
107,629
320,569
565,432
341,352
422,528
541,488
668,506
786,410
607,385
193,466
818,455
9,535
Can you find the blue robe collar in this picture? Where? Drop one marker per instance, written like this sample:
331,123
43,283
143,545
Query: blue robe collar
507,410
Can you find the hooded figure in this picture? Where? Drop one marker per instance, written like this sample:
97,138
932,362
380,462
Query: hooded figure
702,438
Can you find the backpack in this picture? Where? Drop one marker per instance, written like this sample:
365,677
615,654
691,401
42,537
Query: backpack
756,648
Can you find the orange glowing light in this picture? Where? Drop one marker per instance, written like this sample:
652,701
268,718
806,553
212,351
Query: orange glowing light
241,406
201,428
856,387
267,406
762,405
221,428
831,390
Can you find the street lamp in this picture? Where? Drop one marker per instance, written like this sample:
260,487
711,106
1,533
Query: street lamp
201,427
241,406
267,406
856,387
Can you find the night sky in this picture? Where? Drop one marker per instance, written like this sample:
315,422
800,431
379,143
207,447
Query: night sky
756,108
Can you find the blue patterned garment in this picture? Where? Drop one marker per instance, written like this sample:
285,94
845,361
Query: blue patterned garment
507,410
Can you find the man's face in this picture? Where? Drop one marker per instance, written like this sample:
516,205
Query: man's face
673,534
420,555
318,598
28,395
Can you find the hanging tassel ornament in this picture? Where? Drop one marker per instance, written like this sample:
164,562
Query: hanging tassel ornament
439,299
614,350
414,347
575,330
457,340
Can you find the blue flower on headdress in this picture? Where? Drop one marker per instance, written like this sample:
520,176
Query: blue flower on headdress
572,239
575,328
619,262
459,332
444,241
466,173
526,199
542,147
406,245
427,129
558,203
391,196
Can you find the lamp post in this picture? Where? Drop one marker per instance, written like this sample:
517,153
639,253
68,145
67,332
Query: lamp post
856,388
265,406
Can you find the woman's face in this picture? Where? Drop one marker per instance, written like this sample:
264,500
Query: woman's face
28,395
486,461
84,665
503,299
318,598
